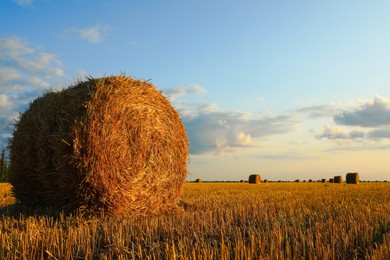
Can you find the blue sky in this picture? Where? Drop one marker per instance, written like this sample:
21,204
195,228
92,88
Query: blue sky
287,89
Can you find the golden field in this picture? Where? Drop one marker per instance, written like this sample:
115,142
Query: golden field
215,221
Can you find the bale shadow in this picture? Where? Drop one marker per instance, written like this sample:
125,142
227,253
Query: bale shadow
18,210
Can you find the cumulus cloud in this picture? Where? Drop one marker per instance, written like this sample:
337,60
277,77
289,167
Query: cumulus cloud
374,113
368,122
212,130
25,73
220,131
379,133
336,132
92,34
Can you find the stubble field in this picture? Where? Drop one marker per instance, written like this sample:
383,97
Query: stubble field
215,221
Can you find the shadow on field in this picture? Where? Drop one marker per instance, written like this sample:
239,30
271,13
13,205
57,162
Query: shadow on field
17,210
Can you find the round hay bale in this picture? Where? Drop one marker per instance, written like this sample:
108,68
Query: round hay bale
352,178
114,144
254,179
331,180
323,180
337,179
198,180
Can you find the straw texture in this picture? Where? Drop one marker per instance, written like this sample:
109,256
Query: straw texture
114,144
338,179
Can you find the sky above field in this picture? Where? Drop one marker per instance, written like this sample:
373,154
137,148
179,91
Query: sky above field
287,89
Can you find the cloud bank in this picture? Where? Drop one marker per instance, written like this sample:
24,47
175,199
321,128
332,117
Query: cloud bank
369,120
211,130
25,72
375,113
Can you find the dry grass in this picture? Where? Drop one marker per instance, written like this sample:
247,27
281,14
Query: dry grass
114,144
220,221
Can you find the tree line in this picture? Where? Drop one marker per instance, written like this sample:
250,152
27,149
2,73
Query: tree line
3,167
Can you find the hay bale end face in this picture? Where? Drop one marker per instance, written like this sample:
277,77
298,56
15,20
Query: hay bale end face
114,144
337,179
352,178
254,179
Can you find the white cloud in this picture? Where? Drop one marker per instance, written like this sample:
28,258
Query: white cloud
23,2
185,90
13,46
91,34
9,74
25,72
4,102
219,131
373,113
20,59
366,123
337,132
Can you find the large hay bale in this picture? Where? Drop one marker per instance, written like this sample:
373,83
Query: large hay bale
331,180
352,178
323,180
114,144
254,179
337,179
198,180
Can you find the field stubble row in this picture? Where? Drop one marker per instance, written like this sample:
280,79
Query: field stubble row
217,221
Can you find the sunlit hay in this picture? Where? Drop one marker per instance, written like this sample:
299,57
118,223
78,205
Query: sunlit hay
352,178
337,179
323,180
114,144
254,179
331,180
198,180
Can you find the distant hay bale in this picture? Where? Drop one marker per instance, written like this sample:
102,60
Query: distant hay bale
297,180
352,178
323,180
265,181
241,181
337,179
198,180
331,180
114,144
254,179
310,180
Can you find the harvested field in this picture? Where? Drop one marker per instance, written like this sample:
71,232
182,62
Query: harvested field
217,221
